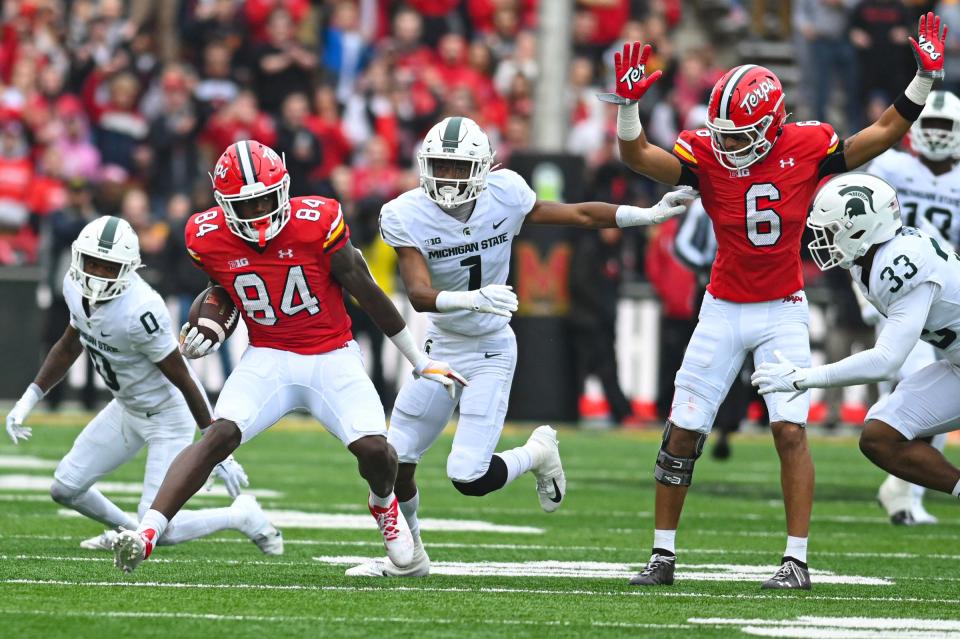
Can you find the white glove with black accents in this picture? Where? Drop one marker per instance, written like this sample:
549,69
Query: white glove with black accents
193,345
442,373
498,299
670,205
18,414
782,376
232,474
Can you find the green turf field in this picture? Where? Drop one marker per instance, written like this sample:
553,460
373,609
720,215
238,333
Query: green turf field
524,573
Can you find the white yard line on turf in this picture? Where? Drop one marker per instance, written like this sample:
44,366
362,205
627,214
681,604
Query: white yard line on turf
657,592
560,548
42,483
811,627
352,620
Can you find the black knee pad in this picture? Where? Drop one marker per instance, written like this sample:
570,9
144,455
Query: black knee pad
676,471
494,479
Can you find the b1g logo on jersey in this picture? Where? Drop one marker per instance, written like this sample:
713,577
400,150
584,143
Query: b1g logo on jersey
860,198
762,92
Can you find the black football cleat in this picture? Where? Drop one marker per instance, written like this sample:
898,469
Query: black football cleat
792,575
658,572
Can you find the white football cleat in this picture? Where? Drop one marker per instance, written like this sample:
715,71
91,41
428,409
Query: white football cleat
921,516
103,541
397,539
896,497
383,567
130,548
257,527
551,482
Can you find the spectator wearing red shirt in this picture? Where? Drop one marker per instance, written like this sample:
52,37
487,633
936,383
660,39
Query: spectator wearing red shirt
406,48
376,176
258,14
326,126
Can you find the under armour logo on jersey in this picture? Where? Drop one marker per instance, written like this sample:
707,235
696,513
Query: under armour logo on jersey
284,253
788,162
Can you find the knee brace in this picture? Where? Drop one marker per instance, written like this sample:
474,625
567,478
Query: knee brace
676,471
494,479
62,494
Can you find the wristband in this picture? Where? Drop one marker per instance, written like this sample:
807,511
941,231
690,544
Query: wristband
405,344
628,122
907,108
918,90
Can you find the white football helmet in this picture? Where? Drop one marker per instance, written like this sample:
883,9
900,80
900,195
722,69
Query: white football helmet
938,144
851,213
111,239
459,139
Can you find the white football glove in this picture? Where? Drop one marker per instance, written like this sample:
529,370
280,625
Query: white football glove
18,414
193,344
670,205
782,376
232,474
498,299
442,373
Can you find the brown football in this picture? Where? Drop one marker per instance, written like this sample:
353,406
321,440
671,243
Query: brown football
214,314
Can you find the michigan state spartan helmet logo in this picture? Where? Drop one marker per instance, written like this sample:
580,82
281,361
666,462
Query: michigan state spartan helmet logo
860,197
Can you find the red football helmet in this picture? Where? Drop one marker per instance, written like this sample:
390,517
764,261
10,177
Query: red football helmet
248,170
747,101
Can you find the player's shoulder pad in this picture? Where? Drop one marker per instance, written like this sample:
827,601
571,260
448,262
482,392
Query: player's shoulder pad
912,258
820,135
146,312
319,219
509,189
201,229
691,145
393,229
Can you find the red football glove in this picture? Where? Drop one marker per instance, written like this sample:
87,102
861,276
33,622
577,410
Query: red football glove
632,80
929,50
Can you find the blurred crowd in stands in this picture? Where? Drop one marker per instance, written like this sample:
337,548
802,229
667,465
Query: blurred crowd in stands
122,106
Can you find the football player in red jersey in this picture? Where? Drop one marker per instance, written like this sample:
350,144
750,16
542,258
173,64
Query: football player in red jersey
756,174
285,263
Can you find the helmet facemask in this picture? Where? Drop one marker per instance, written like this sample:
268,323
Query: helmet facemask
262,228
97,288
451,192
756,148
936,137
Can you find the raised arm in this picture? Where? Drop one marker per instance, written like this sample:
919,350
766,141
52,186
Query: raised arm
635,150
867,144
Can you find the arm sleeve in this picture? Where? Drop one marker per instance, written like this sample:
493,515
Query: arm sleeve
834,161
150,332
901,331
392,229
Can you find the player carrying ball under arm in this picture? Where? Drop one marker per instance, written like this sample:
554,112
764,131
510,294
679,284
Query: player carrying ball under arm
453,238
756,175
285,264
913,279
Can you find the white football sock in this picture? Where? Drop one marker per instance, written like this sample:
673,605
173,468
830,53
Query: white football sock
518,461
409,509
188,525
94,505
796,548
956,490
665,539
381,502
153,519
917,491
